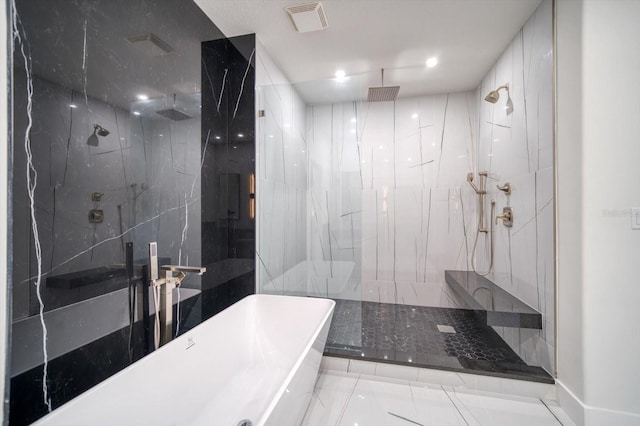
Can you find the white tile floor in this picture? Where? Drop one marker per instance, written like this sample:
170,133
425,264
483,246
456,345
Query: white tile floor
362,400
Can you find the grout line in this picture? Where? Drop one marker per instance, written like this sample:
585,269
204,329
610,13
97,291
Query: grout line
454,404
551,411
346,404
404,418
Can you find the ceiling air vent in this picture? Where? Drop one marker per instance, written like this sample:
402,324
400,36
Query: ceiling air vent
151,44
307,17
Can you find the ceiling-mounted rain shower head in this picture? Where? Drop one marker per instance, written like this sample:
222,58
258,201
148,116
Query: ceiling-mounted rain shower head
98,130
383,94
494,95
174,113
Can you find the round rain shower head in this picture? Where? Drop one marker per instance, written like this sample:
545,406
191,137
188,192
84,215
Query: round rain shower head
494,95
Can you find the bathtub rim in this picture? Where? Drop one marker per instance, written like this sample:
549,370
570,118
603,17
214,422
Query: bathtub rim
307,348
45,420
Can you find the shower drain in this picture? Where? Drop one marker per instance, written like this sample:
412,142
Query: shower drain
245,422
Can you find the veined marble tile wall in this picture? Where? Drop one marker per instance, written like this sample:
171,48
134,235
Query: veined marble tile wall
281,171
391,208
519,148
386,199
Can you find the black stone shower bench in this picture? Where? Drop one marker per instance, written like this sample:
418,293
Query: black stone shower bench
500,307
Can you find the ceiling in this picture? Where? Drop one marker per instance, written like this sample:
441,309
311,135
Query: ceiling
363,36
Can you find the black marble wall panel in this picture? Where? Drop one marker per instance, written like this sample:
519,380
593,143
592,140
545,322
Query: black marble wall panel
133,122
228,172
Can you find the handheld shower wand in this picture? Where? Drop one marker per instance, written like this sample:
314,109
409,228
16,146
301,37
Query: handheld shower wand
481,190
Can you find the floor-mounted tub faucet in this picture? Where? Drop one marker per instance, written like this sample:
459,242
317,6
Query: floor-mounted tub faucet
163,293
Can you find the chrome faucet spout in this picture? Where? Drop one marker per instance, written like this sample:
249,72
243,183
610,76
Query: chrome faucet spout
179,268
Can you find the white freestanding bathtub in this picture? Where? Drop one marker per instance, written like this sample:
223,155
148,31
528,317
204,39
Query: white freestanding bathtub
257,360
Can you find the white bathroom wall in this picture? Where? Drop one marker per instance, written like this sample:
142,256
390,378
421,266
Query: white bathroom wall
281,170
390,206
598,176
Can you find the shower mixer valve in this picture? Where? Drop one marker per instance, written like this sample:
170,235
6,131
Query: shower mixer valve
506,216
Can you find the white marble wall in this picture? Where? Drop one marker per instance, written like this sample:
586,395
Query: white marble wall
386,208
281,171
519,148
390,208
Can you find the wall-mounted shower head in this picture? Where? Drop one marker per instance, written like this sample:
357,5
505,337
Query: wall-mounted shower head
98,130
101,130
494,95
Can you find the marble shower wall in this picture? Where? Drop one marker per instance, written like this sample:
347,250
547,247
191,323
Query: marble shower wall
518,148
391,208
281,171
388,204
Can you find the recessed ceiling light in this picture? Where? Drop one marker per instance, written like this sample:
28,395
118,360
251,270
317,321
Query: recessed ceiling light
235,147
136,112
432,62
73,106
142,97
217,138
341,75
414,115
353,120
240,135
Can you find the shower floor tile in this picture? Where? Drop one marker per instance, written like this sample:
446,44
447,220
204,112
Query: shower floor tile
412,335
